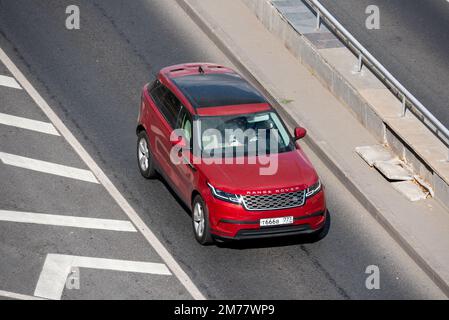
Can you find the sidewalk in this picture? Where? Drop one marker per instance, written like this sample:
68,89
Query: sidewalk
421,228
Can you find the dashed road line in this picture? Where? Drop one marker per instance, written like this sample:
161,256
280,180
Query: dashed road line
57,268
9,82
66,221
103,179
24,123
47,167
17,296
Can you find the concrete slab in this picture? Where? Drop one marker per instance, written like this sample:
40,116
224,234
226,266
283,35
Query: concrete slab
425,186
324,40
426,146
301,18
411,190
373,154
383,102
394,170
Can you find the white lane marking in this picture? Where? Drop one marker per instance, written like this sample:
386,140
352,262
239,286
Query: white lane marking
17,296
9,82
47,167
28,124
104,180
57,268
66,221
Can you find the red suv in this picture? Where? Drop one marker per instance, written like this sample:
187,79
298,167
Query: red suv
228,155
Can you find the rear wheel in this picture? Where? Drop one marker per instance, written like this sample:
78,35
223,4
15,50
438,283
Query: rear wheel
200,222
144,157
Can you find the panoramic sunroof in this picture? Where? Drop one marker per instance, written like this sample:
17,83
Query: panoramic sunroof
219,89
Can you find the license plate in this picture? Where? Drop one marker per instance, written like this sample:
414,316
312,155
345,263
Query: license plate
276,221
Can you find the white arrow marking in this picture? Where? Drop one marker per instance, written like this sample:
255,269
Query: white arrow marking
24,123
9,82
57,268
47,167
66,221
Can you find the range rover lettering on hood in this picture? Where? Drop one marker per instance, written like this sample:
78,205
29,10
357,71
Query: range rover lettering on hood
281,190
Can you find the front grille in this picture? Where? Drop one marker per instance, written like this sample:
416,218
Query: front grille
274,201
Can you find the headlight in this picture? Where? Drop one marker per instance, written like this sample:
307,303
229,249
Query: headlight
314,189
225,196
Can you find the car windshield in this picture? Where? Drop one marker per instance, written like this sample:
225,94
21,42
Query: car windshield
243,135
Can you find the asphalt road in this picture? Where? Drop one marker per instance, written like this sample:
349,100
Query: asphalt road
412,43
93,77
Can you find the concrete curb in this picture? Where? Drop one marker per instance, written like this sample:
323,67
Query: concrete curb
324,151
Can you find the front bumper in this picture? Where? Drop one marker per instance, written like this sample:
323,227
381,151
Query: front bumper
232,221
270,232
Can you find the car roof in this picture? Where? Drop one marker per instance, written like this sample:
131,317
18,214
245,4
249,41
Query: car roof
206,85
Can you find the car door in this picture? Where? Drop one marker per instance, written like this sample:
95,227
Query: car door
167,108
185,170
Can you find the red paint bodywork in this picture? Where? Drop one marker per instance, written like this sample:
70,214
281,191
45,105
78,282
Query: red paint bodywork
294,168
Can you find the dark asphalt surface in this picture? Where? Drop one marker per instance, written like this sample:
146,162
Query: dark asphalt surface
93,77
412,43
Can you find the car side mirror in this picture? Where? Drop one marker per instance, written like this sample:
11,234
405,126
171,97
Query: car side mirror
300,133
181,142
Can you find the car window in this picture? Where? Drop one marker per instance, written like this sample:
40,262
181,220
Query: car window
157,92
172,107
262,133
153,86
167,102
185,123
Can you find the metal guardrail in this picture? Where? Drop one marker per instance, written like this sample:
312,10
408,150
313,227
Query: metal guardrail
367,59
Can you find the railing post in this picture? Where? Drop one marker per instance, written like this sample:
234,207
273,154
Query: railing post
404,107
318,20
360,63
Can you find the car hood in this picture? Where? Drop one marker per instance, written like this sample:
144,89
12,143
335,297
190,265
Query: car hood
292,172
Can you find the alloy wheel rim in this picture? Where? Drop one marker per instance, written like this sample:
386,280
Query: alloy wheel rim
198,219
143,154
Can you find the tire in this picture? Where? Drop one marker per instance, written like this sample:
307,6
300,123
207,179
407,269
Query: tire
144,157
200,222
322,233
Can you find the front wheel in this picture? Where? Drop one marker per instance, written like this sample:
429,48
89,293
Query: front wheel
144,157
200,222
